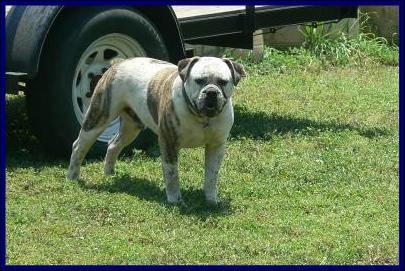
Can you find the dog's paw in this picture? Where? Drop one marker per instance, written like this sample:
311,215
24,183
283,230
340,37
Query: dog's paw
72,175
212,202
177,201
109,171
182,203
211,198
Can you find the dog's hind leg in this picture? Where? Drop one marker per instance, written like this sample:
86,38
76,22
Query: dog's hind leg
101,112
129,130
96,120
80,148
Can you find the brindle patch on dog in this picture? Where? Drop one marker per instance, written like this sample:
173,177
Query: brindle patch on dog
159,91
93,84
169,139
162,110
134,117
99,109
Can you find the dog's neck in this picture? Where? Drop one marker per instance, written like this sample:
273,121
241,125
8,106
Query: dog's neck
192,107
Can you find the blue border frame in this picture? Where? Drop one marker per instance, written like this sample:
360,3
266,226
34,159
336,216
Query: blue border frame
401,136
3,140
205,267
201,2
3,266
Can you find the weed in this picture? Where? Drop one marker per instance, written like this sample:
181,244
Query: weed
325,47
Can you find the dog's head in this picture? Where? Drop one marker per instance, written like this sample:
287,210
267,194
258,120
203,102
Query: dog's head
209,82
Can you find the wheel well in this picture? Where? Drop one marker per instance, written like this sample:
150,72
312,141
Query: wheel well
165,20
162,17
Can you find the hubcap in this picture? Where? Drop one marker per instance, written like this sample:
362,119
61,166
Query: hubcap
94,61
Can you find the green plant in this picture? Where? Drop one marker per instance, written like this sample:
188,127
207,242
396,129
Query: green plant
325,46
335,47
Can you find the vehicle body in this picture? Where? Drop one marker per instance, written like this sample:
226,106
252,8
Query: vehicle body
55,54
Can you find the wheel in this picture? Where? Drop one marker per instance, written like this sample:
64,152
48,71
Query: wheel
81,45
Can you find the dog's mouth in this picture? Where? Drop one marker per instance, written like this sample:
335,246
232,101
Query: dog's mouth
211,104
210,112
211,108
211,101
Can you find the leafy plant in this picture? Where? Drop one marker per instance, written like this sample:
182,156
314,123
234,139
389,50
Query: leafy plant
326,46
335,47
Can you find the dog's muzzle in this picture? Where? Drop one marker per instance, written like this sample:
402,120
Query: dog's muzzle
211,100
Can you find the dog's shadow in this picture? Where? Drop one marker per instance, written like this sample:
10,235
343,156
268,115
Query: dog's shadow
147,190
262,125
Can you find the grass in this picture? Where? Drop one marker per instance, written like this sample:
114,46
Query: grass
310,177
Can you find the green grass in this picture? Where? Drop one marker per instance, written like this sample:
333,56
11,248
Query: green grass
310,177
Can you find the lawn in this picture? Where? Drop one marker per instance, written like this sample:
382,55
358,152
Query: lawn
310,177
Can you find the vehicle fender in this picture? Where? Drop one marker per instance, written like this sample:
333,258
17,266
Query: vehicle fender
26,31
27,28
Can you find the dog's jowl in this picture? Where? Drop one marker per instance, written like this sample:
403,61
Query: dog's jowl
187,106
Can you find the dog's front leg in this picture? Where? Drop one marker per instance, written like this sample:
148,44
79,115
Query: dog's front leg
214,155
169,155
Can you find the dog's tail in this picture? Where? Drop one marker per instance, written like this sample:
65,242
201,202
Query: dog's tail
116,61
100,93
96,78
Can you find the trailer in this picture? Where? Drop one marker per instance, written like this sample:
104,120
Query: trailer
54,54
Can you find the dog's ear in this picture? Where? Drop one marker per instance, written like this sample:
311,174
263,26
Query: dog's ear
185,65
237,70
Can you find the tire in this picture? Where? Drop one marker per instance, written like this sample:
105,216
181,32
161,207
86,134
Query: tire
57,99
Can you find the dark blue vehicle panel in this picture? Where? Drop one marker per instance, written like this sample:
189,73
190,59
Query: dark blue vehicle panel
26,28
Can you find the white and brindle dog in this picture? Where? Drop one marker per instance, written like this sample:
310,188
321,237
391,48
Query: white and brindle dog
187,106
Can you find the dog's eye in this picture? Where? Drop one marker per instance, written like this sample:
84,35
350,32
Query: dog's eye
222,82
199,81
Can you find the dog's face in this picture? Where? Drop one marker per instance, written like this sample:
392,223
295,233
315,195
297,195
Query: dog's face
209,82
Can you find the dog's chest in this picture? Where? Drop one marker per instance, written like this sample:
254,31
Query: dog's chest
195,134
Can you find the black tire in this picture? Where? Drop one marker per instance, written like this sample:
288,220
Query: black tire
49,96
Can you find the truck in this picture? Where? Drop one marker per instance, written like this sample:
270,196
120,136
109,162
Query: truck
55,54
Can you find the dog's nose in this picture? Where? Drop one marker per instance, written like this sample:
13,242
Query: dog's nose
211,94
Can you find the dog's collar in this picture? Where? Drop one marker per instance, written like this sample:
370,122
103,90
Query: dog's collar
190,105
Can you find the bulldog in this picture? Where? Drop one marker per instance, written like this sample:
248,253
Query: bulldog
187,106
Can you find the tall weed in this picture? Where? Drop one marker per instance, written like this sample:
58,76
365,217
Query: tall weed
326,46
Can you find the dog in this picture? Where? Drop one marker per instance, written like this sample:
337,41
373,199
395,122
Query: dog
187,106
